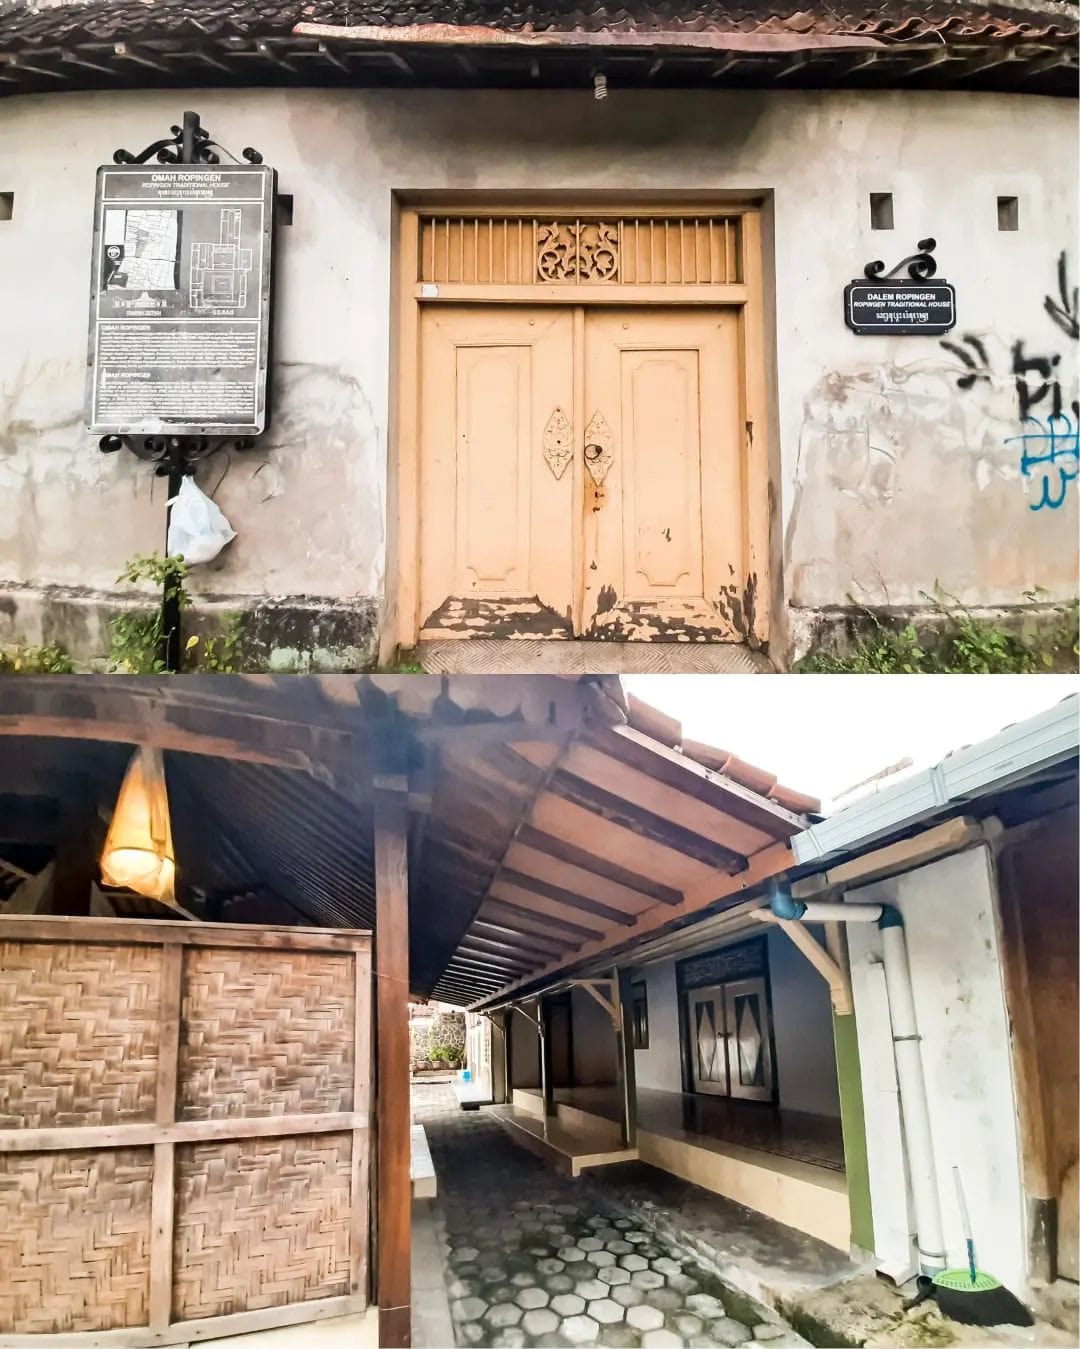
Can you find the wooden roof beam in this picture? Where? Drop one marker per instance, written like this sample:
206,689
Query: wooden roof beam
771,861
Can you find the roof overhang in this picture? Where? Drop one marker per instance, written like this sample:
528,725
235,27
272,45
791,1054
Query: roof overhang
96,45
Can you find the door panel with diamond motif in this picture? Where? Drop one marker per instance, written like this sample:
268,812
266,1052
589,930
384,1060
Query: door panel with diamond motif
707,1041
730,1041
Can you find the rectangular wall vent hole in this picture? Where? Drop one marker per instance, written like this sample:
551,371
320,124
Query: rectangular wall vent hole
1008,213
881,212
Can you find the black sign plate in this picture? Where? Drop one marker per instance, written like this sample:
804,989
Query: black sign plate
899,308
180,300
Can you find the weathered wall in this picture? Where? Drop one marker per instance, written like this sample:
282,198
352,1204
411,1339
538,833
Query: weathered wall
897,459
802,1031
949,916
524,1053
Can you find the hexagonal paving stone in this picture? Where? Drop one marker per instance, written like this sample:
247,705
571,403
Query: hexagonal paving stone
619,1247
532,1297
614,1275
647,1278
728,1331
492,1274
665,1298
638,1238
522,1280
601,1258
591,1244
661,1339
644,1318
605,1311
769,1330
459,1288
590,1289
502,1315
509,1339
559,1283
473,1332
580,1330
687,1324
463,1254
628,1296
704,1304
550,1266
620,1337
597,1221
568,1304
683,1283
542,1322
633,1262
571,1253
665,1265
468,1309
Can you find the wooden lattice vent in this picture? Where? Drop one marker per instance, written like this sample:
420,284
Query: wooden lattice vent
613,250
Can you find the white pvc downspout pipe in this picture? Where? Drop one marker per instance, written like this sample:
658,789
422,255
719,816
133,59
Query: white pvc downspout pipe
910,1076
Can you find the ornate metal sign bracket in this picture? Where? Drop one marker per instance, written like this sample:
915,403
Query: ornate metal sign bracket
921,266
889,304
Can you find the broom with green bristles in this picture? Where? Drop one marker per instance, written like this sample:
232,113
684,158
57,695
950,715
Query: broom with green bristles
970,1295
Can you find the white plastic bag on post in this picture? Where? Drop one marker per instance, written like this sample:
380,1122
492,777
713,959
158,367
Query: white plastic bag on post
197,528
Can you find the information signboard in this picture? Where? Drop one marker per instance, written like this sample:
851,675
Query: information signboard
180,301
901,308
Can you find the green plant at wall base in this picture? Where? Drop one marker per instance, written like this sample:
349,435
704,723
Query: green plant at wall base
35,660
448,1054
221,654
958,642
135,636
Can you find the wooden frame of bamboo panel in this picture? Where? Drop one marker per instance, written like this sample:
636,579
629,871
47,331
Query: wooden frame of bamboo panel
165,1132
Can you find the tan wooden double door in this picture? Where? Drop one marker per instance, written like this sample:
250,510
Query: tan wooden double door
582,473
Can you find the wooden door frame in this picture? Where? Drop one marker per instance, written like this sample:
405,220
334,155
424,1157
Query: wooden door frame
409,297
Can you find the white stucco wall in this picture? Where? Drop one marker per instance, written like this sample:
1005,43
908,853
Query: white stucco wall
888,477
802,1031
949,916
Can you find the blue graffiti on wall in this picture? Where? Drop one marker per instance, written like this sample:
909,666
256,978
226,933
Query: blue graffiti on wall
1050,439
1058,437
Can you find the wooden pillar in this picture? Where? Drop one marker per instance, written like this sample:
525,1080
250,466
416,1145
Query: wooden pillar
394,1202
78,845
501,1084
547,1077
625,1069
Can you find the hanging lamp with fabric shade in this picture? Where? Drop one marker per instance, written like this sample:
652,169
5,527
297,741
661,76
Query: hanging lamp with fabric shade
138,853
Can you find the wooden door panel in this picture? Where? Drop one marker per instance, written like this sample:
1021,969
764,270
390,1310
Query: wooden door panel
661,454
665,532
498,516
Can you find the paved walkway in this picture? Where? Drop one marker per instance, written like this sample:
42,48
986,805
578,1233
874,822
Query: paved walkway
535,1259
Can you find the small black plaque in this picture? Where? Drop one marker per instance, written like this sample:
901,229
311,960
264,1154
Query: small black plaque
180,303
899,308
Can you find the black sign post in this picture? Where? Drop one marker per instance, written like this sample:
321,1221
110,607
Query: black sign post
180,309
885,306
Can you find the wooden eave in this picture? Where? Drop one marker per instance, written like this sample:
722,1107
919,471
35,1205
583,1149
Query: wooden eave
446,56
547,827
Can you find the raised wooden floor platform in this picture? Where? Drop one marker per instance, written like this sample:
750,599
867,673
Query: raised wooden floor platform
753,1157
570,1147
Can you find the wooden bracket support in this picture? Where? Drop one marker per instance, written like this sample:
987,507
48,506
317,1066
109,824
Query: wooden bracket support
829,966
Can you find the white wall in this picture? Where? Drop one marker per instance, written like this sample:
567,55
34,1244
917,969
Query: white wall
660,1066
802,1031
949,916
890,478
802,1028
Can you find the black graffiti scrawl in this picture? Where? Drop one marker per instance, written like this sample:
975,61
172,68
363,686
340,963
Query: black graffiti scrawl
1050,431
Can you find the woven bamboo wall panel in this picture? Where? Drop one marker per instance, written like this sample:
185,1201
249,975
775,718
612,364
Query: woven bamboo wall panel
261,1223
265,1033
78,1034
74,1240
